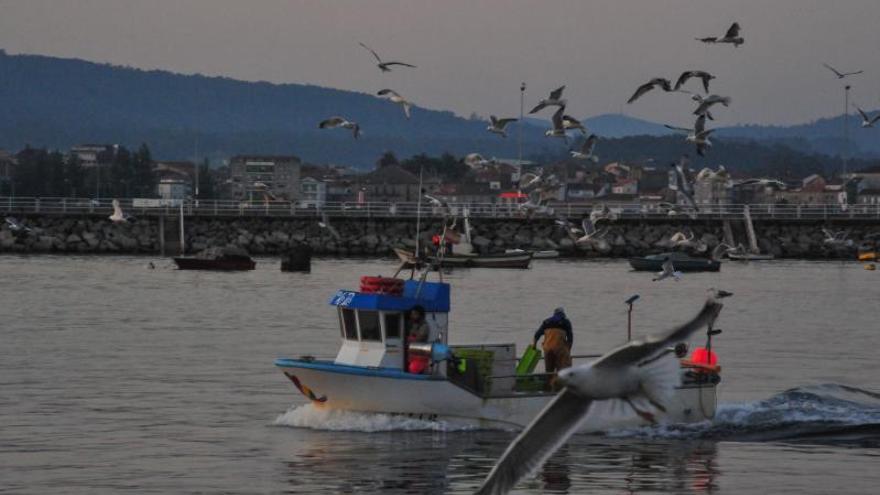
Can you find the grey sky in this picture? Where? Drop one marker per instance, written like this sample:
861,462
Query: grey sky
473,54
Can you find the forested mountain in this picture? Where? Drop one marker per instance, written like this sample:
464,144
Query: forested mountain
56,103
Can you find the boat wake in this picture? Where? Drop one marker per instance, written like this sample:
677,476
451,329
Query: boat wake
309,416
819,414
823,414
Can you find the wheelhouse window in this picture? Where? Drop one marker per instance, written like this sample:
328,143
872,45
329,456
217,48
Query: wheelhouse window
392,325
348,322
369,321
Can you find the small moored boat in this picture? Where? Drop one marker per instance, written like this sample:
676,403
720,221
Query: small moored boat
227,258
682,262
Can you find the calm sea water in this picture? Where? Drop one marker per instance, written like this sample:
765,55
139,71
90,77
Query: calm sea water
115,378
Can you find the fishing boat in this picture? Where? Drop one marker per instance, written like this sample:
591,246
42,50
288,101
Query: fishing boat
223,259
478,385
681,261
460,253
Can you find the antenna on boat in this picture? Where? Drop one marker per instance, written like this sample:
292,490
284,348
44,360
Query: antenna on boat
629,315
418,221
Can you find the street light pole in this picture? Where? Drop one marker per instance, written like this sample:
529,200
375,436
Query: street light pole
845,128
522,96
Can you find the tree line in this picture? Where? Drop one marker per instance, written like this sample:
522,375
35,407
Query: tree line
40,172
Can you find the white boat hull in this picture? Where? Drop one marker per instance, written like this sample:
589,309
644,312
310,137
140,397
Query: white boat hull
436,398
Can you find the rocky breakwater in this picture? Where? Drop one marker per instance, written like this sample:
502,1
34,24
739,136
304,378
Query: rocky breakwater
377,237
79,235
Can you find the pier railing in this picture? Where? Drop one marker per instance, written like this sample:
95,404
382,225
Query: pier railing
289,209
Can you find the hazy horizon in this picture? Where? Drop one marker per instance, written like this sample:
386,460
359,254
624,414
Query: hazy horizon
472,56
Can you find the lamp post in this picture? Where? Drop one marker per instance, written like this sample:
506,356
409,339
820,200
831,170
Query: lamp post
522,99
845,128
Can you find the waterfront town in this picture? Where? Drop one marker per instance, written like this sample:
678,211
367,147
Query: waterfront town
110,170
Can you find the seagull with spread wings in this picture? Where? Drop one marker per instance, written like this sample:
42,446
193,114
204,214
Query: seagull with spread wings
382,65
341,122
394,97
118,215
699,135
497,126
731,36
704,76
657,82
555,99
641,373
867,121
842,75
587,149
558,129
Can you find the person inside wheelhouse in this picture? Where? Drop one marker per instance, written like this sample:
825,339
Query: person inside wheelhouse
417,332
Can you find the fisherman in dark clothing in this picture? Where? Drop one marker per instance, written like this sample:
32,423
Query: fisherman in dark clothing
558,339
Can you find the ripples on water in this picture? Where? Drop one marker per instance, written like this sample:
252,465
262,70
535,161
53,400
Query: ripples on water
116,378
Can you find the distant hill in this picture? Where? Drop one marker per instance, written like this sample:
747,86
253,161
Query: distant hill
56,103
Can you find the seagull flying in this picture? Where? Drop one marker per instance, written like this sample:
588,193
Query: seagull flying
667,270
866,121
384,66
657,82
476,161
680,239
731,36
558,129
16,226
587,148
702,75
497,125
590,232
707,102
699,135
118,216
836,239
569,123
324,223
334,122
842,75
555,99
394,97
639,373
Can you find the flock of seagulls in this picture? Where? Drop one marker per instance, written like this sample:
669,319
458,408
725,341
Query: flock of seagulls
340,122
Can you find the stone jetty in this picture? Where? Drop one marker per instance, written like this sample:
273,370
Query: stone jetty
377,237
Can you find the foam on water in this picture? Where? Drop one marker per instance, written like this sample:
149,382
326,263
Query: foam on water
831,411
309,416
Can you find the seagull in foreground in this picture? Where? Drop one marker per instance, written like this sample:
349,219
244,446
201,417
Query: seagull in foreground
497,125
667,271
334,122
731,36
324,223
866,121
16,226
657,82
385,66
394,97
118,215
699,74
640,373
682,184
842,75
555,99
587,148
569,123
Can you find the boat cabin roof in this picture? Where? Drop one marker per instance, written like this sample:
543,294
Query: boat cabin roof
433,296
